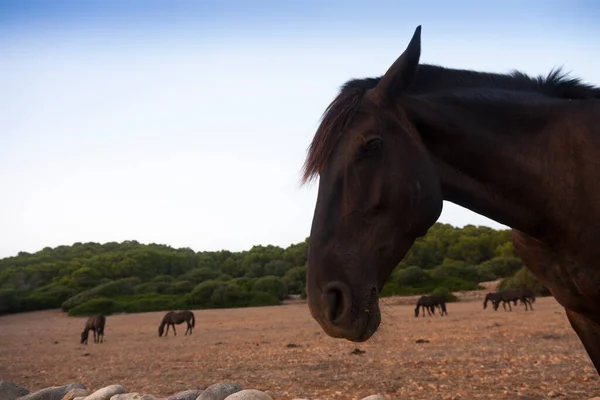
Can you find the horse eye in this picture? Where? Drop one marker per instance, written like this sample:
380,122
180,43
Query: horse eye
373,145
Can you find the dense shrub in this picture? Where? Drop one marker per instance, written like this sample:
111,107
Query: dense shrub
223,278
277,268
181,287
9,301
202,293
113,288
229,296
199,275
99,305
259,299
295,279
501,267
414,280
152,302
40,301
524,278
457,284
46,297
411,276
151,287
273,285
163,279
457,270
445,293
486,273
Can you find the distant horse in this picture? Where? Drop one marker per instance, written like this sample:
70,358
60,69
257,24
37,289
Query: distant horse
527,297
429,303
495,298
177,317
510,295
96,324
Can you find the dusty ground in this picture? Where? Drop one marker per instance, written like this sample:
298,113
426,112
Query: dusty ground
471,353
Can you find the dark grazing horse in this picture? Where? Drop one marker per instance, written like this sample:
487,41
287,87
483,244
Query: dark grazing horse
524,295
429,303
527,296
173,318
504,297
493,297
96,324
523,151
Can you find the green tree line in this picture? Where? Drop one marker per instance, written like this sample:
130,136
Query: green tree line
131,277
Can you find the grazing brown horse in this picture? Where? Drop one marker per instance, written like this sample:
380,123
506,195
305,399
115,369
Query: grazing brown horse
522,151
96,324
526,296
429,303
177,317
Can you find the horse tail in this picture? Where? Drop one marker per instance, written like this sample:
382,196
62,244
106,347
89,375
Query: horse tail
193,321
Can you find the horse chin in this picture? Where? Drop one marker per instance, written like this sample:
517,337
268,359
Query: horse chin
370,327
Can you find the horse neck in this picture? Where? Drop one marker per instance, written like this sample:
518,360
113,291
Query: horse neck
488,152
433,78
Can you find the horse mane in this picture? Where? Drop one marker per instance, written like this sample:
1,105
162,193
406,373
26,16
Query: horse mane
430,78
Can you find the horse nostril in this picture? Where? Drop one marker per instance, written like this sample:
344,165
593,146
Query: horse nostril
337,298
335,304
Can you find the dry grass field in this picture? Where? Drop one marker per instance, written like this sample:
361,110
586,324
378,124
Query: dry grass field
471,354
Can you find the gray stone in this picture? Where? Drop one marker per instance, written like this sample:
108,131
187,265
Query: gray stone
74,393
11,391
186,395
149,397
249,394
127,396
219,391
374,397
106,392
53,392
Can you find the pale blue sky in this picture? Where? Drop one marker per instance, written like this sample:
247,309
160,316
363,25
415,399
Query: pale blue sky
187,122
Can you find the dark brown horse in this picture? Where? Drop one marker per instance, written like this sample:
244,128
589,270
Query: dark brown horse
173,318
522,151
527,296
96,324
429,303
507,296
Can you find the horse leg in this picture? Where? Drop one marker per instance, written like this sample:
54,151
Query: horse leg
530,304
167,334
589,334
509,307
174,331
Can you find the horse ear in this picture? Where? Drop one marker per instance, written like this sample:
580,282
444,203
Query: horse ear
402,72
